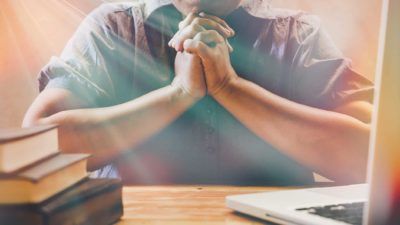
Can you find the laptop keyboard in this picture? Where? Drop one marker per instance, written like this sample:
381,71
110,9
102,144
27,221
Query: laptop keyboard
349,213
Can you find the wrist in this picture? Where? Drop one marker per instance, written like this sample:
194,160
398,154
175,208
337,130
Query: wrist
225,85
182,90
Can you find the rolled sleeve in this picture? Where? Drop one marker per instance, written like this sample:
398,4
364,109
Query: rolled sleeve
323,77
84,67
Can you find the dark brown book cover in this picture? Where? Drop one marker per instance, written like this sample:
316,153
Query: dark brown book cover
90,202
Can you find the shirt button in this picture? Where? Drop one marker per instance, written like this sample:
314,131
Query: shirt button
210,150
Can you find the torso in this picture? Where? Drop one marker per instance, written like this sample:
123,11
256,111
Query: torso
207,144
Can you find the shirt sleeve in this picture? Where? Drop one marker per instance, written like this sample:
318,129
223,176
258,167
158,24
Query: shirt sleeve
85,63
321,76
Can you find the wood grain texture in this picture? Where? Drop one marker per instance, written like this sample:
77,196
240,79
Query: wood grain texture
186,205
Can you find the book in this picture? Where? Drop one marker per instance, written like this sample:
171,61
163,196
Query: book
89,202
43,179
20,147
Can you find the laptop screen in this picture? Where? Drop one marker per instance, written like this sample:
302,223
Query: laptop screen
384,171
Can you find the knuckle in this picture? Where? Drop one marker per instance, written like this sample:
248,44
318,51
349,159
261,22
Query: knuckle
190,29
193,27
196,20
202,35
196,45
221,27
188,43
213,33
201,47
213,23
179,40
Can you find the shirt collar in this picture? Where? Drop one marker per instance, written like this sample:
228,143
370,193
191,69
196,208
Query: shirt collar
255,8
152,5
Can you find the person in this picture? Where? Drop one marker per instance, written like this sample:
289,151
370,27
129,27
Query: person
208,92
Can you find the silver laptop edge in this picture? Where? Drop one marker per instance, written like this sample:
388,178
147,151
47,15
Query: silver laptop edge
282,204
385,119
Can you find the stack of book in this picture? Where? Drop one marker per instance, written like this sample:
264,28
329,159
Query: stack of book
41,186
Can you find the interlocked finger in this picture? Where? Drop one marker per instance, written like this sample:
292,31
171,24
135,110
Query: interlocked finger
187,33
211,37
188,20
198,48
194,23
218,20
210,24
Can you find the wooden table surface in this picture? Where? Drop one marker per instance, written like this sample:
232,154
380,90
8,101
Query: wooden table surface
184,205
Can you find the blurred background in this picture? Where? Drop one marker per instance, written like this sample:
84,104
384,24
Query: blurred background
31,31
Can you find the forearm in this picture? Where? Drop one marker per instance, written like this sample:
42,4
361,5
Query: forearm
141,118
108,131
332,144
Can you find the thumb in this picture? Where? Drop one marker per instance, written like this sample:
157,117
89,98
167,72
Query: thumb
198,48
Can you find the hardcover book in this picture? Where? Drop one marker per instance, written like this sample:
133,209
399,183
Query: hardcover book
89,202
43,179
20,147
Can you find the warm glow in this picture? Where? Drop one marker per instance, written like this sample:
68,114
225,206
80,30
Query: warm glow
31,32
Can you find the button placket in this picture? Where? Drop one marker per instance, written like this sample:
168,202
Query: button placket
210,123
210,146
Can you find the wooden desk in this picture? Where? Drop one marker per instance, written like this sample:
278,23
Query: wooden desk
184,205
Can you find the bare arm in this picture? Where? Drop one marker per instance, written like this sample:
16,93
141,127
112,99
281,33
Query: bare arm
334,144
105,132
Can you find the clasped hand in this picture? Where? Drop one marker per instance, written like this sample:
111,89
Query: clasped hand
202,64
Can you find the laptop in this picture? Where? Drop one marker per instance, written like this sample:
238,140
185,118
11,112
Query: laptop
378,201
